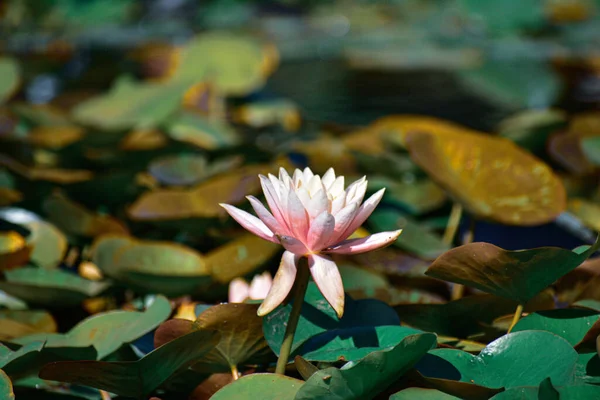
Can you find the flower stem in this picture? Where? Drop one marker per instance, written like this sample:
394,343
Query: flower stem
458,289
235,373
300,286
516,318
453,222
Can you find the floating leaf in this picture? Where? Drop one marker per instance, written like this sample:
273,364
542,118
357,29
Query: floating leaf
502,362
14,251
108,331
587,211
18,323
260,386
369,376
6,390
49,244
591,149
55,137
415,238
77,220
132,105
570,324
574,392
422,394
491,177
239,257
49,287
416,198
530,129
143,140
10,81
38,173
199,131
139,378
516,275
260,114
188,169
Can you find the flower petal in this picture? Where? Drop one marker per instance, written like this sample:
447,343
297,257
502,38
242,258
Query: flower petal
293,245
307,174
296,216
273,201
282,283
362,245
337,187
250,222
328,177
363,213
318,203
266,217
238,291
343,219
329,281
260,286
321,229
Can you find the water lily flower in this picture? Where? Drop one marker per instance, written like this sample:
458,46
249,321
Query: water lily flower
311,216
239,290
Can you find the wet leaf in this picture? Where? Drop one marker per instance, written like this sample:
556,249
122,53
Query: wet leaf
570,324
49,244
108,331
239,257
139,378
502,362
132,105
516,275
491,177
369,376
54,288
263,386
10,81
17,323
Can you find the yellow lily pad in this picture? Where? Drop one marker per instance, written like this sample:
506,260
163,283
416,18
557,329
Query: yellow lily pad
143,139
18,323
55,137
491,177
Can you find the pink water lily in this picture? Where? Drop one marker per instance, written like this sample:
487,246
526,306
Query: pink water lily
240,290
311,217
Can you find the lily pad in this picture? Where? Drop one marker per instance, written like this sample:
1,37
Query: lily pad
366,378
49,244
239,257
187,169
588,212
6,389
416,198
14,251
54,288
108,331
516,275
530,129
502,362
18,323
481,172
591,149
9,71
206,134
574,392
423,394
570,324
260,386
138,378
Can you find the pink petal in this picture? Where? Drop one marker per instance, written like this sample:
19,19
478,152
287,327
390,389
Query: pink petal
363,213
327,277
260,286
318,203
343,219
338,203
265,216
282,283
329,177
250,222
362,245
273,201
293,245
296,216
238,291
337,186
320,231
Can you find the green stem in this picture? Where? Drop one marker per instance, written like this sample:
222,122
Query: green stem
300,286
516,317
457,289
453,222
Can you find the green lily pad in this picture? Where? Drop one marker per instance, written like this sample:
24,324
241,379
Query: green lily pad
502,362
188,169
108,331
54,288
138,378
6,389
531,129
591,149
464,317
10,81
574,392
199,131
422,394
364,379
132,105
317,317
260,386
416,198
415,239
516,275
570,324
18,323
49,244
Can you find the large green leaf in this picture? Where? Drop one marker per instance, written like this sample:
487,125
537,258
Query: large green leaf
9,78
570,324
507,17
317,317
138,378
108,331
415,239
18,323
202,132
49,244
6,390
574,392
503,363
131,104
422,394
260,386
516,275
54,288
364,379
